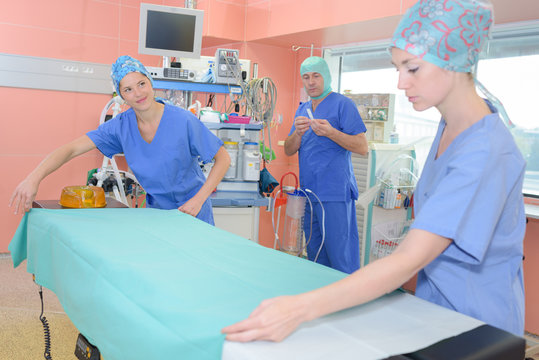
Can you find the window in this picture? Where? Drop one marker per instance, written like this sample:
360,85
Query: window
509,69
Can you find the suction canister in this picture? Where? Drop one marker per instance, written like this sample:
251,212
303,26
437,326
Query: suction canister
232,149
293,224
251,161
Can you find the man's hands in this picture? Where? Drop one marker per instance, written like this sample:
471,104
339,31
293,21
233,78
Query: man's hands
302,124
321,127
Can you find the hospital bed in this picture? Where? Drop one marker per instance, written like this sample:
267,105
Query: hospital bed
160,284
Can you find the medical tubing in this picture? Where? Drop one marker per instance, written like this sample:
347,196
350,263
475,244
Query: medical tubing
382,166
260,98
323,224
311,228
275,231
105,110
104,165
278,239
46,330
127,174
119,182
261,107
116,100
116,192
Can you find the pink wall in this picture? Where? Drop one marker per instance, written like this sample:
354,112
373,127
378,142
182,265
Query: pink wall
269,19
35,122
531,270
223,20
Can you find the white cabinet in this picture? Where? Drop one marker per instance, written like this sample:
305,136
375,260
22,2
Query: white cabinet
242,221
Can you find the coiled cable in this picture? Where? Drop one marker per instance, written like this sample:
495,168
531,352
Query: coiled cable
47,333
260,99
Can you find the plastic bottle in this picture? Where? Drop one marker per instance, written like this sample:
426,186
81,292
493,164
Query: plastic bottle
394,136
232,149
381,198
251,161
399,200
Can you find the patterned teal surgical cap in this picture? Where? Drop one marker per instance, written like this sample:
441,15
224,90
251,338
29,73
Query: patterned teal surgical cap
124,65
446,33
319,65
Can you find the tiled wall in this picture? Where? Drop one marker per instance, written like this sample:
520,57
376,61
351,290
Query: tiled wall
35,122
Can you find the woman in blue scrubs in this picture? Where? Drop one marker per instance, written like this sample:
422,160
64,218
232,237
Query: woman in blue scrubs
162,144
466,240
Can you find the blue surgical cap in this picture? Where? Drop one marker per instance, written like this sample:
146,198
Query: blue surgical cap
124,65
446,33
319,65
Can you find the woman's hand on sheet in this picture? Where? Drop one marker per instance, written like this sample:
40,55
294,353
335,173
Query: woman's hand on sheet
23,196
274,319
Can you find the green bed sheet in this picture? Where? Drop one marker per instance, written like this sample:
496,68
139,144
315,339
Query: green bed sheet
154,284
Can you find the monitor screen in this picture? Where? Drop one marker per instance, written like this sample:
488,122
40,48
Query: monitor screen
170,31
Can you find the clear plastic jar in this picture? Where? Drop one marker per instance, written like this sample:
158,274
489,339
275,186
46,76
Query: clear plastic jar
251,161
232,149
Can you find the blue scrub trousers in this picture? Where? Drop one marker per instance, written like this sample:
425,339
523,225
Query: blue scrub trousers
341,245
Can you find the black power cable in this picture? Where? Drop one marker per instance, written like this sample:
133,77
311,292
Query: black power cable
47,354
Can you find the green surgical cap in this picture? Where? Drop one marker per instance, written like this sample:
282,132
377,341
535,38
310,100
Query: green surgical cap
319,65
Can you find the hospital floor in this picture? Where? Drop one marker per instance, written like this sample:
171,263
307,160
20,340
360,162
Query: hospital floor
21,331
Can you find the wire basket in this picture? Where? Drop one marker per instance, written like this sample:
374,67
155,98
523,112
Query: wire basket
397,182
387,236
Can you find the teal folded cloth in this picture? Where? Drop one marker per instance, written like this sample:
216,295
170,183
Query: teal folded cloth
154,284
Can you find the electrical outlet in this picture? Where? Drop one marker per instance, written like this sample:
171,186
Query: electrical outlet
70,68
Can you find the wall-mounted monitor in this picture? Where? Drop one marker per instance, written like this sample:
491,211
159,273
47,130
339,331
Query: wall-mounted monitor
170,31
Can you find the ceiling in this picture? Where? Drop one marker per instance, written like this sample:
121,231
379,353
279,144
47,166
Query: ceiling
378,29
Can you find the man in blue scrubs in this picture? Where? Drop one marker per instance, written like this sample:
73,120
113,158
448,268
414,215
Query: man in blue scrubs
324,144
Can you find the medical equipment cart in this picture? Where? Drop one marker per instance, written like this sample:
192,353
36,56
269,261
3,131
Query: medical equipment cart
236,201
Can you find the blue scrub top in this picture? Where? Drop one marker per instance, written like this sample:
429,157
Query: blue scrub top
472,194
168,167
325,166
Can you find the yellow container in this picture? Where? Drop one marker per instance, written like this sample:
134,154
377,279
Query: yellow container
78,197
